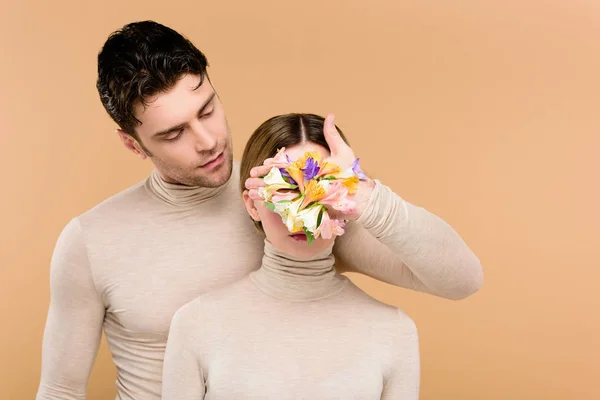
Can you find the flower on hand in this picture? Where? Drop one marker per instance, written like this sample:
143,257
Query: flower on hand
301,192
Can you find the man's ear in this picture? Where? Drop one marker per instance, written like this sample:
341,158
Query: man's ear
250,207
132,144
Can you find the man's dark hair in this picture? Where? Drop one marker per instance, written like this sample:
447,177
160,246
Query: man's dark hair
140,60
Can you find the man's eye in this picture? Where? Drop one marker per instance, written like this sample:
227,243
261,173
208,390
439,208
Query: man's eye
207,114
176,135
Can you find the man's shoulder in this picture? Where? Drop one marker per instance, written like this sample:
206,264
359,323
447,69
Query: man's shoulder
125,200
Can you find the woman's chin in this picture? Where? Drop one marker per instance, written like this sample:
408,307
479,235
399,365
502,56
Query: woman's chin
296,245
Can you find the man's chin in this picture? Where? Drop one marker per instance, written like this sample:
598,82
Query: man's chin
218,178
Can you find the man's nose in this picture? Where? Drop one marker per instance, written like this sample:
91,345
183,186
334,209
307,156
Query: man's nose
205,139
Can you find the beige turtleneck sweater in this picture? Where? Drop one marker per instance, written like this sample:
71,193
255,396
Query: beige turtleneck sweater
294,329
130,263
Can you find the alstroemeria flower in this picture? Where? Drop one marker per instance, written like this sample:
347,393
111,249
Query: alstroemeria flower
357,171
336,197
281,160
309,217
274,181
297,175
334,191
349,179
302,191
315,155
311,169
351,183
328,168
289,215
329,227
285,174
344,205
279,196
313,192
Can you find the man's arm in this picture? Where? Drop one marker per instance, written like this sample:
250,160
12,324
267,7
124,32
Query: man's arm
391,240
74,323
407,246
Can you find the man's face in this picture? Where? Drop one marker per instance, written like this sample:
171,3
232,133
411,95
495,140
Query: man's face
185,133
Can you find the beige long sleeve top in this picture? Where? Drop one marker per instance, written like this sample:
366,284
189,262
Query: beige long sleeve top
294,329
127,265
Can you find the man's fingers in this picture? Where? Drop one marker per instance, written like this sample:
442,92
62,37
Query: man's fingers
253,194
261,170
332,136
254,183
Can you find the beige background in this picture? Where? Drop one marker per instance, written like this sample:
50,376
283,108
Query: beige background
484,112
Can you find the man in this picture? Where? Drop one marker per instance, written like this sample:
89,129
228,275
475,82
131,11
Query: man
129,263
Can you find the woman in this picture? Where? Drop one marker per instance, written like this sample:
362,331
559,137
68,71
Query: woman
295,328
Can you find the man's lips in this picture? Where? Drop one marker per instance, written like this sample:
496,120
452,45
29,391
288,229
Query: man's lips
213,162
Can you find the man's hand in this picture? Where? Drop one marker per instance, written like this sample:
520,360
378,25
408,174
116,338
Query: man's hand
341,154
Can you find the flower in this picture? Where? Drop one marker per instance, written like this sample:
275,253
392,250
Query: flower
303,192
297,175
313,192
312,168
328,168
329,227
337,198
286,196
334,191
315,155
274,181
344,205
351,183
285,174
281,160
309,217
357,171
289,215
349,179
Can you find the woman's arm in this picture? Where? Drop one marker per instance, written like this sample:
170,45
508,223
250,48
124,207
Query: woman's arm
403,377
182,374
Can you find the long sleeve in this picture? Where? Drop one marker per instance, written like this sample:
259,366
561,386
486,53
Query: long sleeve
182,375
74,324
403,380
407,246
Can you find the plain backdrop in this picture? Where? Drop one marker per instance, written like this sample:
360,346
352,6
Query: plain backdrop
483,112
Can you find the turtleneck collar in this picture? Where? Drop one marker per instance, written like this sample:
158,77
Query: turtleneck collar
289,278
180,195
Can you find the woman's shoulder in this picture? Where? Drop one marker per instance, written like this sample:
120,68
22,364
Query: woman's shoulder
213,304
378,313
